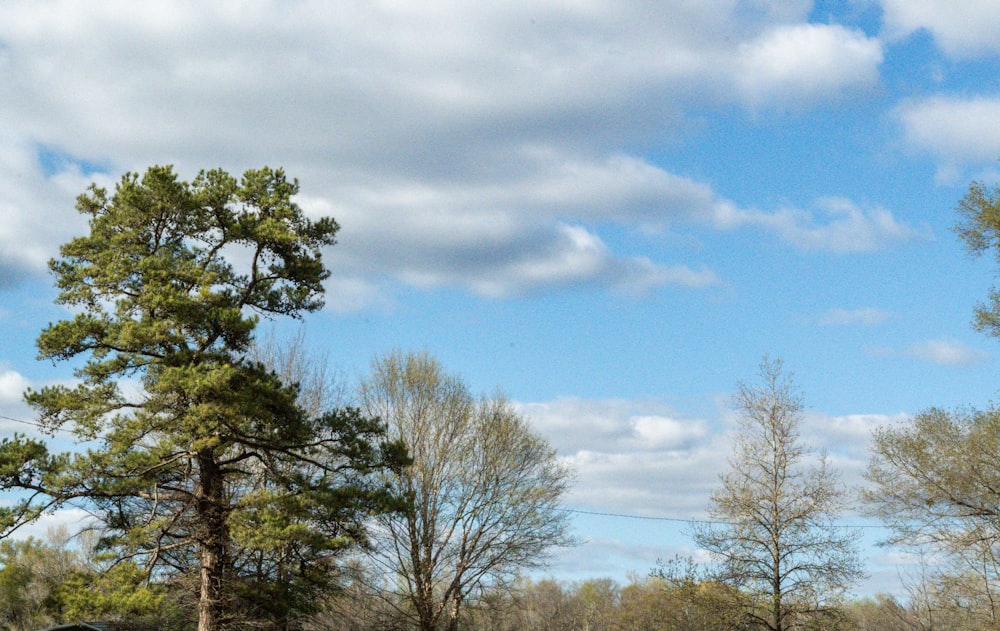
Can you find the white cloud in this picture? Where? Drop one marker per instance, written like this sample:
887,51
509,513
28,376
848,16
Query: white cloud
460,144
958,131
352,294
866,316
16,415
584,424
19,418
806,62
503,240
846,439
37,210
71,519
12,386
632,456
947,352
836,225
528,233
642,458
962,29
673,483
639,275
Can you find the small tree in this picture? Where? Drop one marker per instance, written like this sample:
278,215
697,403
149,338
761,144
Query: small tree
208,451
776,540
482,494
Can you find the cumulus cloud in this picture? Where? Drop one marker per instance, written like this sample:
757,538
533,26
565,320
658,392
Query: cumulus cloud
846,439
958,131
15,415
12,386
643,458
962,29
459,144
632,456
68,520
535,230
806,62
36,207
612,425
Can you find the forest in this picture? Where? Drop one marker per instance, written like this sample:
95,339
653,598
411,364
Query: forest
232,483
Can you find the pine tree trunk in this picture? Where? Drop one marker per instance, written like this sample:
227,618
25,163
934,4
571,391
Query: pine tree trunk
208,600
214,537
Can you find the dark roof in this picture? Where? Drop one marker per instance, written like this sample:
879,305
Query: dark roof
78,626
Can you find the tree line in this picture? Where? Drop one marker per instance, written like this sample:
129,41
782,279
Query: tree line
232,485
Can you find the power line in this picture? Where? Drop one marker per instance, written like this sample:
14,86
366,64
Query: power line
75,432
646,517
680,520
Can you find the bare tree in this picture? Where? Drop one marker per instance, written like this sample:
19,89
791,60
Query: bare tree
775,538
320,386
482,491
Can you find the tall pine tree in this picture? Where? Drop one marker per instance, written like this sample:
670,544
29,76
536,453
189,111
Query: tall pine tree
202,456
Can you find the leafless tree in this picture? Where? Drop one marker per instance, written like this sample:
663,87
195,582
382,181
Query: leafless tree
776,539
482,493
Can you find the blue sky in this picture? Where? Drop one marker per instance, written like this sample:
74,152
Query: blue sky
609,210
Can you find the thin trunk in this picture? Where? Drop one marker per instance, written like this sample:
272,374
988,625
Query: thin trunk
453,619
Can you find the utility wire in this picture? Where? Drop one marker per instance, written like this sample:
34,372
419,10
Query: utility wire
680,520
66,430
646,517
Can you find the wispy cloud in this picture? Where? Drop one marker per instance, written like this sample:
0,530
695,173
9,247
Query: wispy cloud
948,352
945,352
833,225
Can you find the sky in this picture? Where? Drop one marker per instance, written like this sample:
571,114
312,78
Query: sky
609,210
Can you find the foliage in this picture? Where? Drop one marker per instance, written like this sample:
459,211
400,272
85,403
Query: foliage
200,450
688,597
979,227
482,493
30,579
119,593
936,479
776,540
880,613
935,486
46,582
